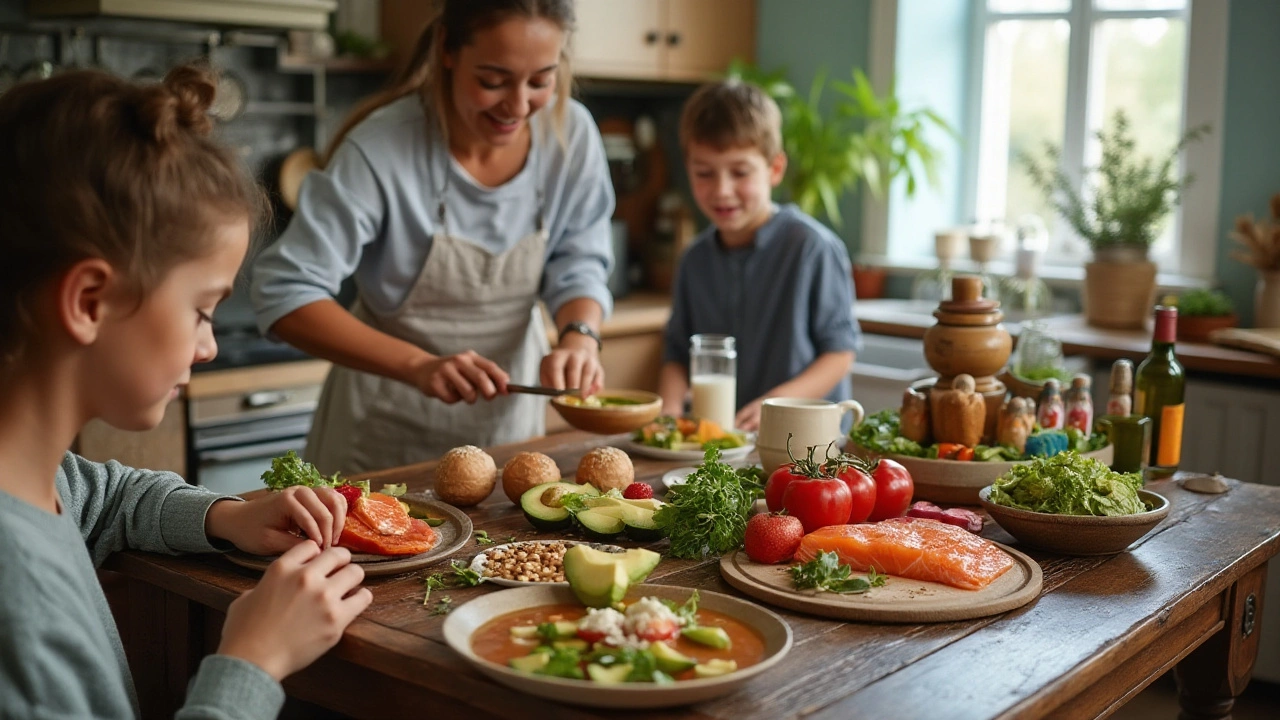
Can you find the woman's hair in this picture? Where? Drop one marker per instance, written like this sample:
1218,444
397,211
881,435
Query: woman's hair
98,167
452,24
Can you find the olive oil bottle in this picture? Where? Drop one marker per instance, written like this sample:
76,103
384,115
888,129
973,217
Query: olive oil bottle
1159,389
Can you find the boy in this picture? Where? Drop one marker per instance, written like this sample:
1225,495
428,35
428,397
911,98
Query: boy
772,277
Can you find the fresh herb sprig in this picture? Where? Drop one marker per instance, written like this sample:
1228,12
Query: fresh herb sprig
482,538
707,515
464,575
434,581
288,470
443,607
826,573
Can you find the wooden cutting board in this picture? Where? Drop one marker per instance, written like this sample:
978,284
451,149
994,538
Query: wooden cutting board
900,600
1256,339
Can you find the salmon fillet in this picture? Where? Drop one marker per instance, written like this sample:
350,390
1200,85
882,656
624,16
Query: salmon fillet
910,548
377,524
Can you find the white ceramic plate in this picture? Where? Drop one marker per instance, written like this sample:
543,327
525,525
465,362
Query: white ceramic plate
463,622
480,560
656,453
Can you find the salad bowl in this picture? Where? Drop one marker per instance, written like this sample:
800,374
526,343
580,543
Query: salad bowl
1077,534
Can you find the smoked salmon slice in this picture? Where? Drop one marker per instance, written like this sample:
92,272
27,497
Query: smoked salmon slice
911,548
377,524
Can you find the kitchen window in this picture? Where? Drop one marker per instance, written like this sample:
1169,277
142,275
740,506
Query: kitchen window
1058,70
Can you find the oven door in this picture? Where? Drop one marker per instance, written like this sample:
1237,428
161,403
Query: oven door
234,437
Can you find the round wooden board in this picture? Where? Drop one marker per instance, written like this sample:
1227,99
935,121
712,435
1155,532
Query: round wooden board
900,600
453,534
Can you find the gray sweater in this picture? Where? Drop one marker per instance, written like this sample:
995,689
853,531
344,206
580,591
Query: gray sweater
60,652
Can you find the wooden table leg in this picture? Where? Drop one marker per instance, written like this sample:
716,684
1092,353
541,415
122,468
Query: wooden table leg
1214,674
164,640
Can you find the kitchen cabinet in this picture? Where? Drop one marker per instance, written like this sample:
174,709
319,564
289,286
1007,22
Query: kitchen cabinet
299,14
688,40
682,40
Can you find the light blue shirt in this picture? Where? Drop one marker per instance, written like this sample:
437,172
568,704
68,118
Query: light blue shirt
373,210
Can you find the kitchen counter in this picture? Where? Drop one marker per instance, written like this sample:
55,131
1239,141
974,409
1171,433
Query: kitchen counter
910,318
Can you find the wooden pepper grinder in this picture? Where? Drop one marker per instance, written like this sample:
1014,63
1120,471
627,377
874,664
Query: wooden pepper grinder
914,416
960,414
1017,420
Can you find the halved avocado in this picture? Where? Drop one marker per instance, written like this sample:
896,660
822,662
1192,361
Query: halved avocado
599,526
708,635
637,515
715,668
670,660
542,505
530,663
611,674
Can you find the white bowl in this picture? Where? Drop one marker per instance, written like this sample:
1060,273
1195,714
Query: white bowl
463,622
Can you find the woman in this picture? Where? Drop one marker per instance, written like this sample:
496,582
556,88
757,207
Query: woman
459,198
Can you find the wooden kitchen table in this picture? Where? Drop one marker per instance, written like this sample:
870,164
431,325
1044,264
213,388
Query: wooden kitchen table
1189,595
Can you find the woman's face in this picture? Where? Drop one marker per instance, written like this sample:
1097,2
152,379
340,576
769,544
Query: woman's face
502,77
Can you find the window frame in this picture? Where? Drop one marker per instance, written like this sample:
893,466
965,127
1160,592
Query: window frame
1195,219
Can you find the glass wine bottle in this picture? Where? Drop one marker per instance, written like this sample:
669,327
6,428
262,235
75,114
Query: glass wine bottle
1159,387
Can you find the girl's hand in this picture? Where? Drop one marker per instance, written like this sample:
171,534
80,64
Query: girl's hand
465,376
298,611
268,525
573,367
748,417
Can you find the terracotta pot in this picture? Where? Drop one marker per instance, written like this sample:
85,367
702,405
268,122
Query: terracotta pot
1119,294
868,282
1266,300
1196,328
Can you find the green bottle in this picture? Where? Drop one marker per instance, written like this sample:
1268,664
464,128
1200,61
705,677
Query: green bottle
1159,389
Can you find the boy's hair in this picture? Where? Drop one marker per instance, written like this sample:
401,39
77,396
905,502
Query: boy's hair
98,167
732,114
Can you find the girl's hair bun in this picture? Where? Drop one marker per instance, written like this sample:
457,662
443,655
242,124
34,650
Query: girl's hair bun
179,103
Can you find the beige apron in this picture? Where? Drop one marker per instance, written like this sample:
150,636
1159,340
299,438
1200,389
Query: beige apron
465,298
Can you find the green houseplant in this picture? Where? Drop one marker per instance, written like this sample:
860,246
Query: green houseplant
1200,312
1120,214
863,137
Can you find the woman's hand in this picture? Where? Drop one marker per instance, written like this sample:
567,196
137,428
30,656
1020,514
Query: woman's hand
297,611
574,366
748,417
465,376
268,525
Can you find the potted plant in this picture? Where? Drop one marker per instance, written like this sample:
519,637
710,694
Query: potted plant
1261,241
1119,213
864,137
1200,312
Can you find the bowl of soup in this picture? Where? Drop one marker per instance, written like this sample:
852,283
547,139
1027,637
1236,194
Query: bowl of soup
609,412
485,632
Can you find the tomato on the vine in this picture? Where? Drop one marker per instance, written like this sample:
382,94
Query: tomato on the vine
777,485
894,489
818,501
862,489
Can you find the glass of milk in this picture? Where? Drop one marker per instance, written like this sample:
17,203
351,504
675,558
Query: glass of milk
713,373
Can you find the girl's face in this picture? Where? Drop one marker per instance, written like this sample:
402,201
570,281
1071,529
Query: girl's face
143,357
503,76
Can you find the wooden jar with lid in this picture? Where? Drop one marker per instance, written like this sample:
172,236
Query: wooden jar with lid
969,339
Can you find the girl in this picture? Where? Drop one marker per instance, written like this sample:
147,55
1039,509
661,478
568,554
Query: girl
458,205
122,225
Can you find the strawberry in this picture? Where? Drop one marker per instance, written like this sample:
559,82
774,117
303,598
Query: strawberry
350,492
638,491
773,537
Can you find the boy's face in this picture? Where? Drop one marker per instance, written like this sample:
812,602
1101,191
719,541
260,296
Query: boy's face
733,187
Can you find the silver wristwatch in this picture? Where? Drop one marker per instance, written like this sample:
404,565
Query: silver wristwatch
583,328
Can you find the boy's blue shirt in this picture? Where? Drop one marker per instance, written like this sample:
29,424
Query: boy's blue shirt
787,297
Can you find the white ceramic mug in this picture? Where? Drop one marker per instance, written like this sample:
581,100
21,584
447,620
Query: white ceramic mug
807,421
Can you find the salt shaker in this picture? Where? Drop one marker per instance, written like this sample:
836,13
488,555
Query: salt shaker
1121,401
1049,411
713,374
1079,404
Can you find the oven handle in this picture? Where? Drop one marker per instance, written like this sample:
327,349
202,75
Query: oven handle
244,452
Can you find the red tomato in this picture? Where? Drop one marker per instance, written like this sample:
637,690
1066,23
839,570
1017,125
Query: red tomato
777,485
861,488
893,490
818,502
